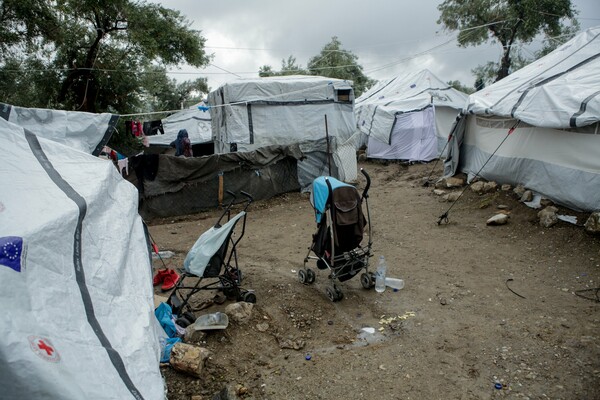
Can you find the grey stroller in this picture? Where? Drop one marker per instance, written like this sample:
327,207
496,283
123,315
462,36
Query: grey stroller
213,260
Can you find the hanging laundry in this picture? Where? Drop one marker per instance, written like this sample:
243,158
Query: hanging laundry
123,165
134,128
153,128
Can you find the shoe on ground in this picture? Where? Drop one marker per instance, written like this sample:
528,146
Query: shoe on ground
170,280
160,277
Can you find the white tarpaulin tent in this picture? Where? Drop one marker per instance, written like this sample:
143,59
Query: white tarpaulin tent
196,120
408,117
284,110
554,149
77,317
83,131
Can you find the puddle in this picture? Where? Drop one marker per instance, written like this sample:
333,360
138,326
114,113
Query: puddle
366,337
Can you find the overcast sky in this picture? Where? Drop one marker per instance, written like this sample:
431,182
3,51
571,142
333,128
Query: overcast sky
389,37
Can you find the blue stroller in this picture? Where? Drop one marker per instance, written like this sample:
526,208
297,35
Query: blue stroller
337,244
213,260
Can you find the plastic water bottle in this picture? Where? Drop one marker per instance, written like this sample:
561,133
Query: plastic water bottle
394,283
380,275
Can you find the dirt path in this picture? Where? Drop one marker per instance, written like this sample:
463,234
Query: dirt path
462,328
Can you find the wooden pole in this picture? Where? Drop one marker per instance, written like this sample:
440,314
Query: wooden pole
220,188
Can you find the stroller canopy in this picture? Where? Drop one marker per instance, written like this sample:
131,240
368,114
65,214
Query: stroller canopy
320,194
207,245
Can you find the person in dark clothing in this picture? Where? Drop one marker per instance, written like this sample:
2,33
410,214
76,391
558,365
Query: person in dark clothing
183,145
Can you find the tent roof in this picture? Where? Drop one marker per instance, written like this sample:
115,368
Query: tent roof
196,121
560,90
84,131
282,88
408,91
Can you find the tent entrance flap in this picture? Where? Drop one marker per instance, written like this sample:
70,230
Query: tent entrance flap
413,138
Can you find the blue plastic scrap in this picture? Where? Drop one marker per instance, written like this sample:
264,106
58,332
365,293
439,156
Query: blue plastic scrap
166,348
164,315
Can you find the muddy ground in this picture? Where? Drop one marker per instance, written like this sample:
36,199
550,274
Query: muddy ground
482,305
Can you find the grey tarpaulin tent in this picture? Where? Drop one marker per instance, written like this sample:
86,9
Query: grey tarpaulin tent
252,113
554,150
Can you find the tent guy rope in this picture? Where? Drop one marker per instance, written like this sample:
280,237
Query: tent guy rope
444,216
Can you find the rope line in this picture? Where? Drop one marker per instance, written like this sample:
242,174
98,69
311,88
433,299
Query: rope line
444,216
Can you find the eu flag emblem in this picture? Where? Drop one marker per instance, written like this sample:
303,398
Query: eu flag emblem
12,252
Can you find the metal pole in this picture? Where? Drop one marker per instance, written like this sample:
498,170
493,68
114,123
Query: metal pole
328,150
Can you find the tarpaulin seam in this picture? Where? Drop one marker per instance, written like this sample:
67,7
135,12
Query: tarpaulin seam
250,124
81,204
582,107
550,79
107,134
553,77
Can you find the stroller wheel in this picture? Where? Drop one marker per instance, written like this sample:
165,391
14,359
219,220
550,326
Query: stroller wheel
310,276
249,297
232,292
340,294
334,293
331,293
302,278
366,281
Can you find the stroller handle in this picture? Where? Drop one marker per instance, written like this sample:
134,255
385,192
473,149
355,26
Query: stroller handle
368,178
249,198
232,194
248,195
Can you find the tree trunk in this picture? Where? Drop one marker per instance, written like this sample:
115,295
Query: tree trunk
81,82
504,65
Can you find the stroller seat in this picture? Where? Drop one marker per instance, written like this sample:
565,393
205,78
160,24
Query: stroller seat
213,258
337,243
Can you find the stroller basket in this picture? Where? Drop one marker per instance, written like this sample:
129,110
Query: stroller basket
337,244
213,261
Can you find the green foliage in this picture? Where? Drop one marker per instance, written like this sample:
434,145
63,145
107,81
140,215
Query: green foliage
266,70
506,22
159,92
459,86
335,62
479,83
25,25
288,67
103,56
488,72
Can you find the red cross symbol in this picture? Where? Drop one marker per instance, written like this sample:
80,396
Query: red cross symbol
43,346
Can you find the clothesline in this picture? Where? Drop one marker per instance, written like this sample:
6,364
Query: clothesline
207,107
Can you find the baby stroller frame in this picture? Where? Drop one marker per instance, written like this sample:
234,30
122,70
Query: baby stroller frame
340,226
214,251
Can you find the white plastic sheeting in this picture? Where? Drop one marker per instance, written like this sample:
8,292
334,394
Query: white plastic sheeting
254,113
196,121
413,138
554,149
560,90
79,130
562,166
376,109
77,316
